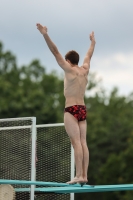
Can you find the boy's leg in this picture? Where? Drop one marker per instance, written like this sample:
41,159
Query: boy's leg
73,131
83,130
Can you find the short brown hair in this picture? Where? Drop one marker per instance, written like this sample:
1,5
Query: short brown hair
73,57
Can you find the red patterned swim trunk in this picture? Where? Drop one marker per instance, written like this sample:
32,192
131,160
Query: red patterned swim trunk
78,111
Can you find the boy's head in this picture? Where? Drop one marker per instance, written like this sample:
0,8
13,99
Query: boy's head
73,57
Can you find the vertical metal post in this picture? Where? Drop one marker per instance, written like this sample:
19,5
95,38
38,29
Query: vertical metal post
72,170
33,152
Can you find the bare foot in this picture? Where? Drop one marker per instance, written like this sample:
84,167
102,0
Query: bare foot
76,180
85,180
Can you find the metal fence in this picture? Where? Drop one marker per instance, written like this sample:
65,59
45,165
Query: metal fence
35,152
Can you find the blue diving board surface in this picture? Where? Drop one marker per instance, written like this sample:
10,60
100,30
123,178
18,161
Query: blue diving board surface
79,189
23,182
53,187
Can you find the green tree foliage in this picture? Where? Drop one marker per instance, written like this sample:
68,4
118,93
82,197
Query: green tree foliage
30,91
110,141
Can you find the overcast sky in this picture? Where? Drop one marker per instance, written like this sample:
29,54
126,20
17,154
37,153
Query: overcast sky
69,24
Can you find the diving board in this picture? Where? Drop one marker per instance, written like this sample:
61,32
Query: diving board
54,187
87,188
78,189
24,182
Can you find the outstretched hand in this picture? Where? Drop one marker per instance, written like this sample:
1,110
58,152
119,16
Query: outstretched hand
42,29
92,37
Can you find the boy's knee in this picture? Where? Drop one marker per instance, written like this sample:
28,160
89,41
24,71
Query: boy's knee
75,143
84,143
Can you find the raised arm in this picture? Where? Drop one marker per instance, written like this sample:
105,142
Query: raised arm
60,60
86,63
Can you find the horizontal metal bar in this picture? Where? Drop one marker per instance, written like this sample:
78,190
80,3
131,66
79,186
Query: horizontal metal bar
29,126
16,119
14,128
49,125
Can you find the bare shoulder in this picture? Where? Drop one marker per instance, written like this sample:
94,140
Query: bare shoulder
62,62
86,68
